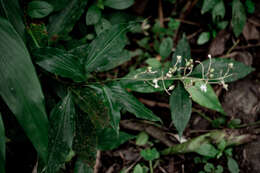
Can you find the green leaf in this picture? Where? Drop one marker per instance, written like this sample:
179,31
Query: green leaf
203,38
183,50
132,104
81,167
221,66
166,47
153,62
118,4
114,108
222,25
85,140
173,24
138,169
207,150
14,13
2,145
93,15
180,104
20,88
90,102
39,9
102,25
142,138
60,62
150,154
141,81
219,169
61,133
218,11
250,6
108,139
238,17
209,167
108,43
232,165
208,5
207,99
63,22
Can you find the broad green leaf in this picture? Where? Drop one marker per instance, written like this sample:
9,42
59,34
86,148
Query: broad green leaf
208,5
166,47
20,88
39,9
81,167
141,80
132,104
218,11
102,25
222,25
14,14
183,50
138,169
58,4
60,62
207,150
180,104
93,15
150,154
114,108
61,133
238,17
207,99
118,4
209,167
90,102
2,145
63,22
108,139
221,67
107,44
153,62
142,138
173,24
232,165
85,140
250,6
203,38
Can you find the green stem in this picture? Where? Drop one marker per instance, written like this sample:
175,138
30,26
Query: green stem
151,166
250,124
33,38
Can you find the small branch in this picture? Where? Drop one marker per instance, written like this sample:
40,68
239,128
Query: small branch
160,13
230,50
98,164
155,132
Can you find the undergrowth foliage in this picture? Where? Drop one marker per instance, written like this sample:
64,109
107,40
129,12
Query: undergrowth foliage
89,108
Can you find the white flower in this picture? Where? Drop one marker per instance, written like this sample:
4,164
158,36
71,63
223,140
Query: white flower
203,87
231,65
171,87
169,75
178,58
209,56
155,81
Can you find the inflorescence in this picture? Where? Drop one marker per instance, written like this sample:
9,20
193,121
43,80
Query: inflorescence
207,77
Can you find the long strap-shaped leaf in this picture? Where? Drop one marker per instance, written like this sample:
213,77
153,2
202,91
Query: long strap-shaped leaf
14,14
20,87
2,145
61,133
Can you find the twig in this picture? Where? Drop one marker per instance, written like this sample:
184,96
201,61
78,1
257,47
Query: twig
152,103
254,22
194,34
183,21
160,13
153,131
131,166
230,50
98,164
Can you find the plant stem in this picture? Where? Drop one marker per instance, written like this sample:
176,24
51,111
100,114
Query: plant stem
151,166
33,38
